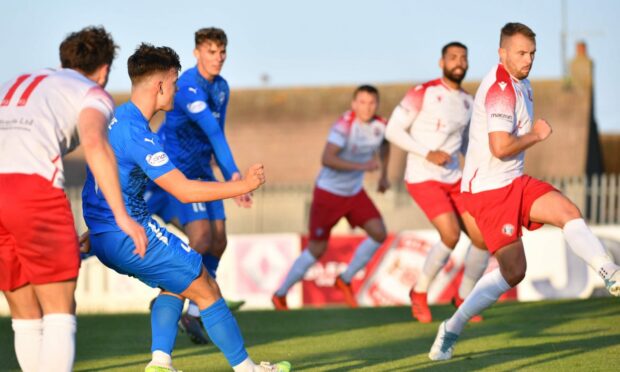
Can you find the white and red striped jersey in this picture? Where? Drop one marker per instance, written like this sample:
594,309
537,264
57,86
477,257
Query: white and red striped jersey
359,142
502,104
431,116
38,120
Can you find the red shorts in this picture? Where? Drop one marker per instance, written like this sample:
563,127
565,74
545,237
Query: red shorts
501,213
435,198
328,208
38,243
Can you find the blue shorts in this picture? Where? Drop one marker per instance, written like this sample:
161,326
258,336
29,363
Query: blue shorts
167,207
168,263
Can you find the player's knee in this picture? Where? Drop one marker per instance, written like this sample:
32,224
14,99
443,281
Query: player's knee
514,274
379,236
477,242
200,242
218,246
317,250
451,237
568,212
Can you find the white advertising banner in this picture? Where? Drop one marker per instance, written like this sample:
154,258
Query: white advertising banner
254,266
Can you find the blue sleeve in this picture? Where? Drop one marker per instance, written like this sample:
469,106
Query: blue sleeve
149,154
193,103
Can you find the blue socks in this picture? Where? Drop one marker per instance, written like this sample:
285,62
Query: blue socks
211,263
224,331
165,315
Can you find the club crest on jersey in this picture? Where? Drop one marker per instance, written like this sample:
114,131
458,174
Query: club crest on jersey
508,229
376,131
196,107
529,95
502,85
466,104
222,97
157,159
319,232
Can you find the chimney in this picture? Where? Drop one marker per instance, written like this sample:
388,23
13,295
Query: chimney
581,68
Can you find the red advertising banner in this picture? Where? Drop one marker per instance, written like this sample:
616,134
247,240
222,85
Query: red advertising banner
318,284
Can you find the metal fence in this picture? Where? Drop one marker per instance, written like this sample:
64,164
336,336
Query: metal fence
284,208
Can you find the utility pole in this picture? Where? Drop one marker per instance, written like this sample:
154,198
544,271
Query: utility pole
563,34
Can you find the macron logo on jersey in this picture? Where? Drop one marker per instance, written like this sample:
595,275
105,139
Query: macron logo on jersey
196,107
157,159
114,121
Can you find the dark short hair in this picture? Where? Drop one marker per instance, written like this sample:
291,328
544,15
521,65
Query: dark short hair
88,49
512,28
211,34
148,59
366,88
452,44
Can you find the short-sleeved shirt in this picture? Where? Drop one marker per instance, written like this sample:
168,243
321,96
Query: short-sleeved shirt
140,156
359,142
187,144
502,104
442,115
38,120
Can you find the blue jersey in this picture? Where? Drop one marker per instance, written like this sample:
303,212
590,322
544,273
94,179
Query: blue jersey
194,130
140,156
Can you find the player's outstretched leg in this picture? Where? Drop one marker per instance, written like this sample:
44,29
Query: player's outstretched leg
363,253
587,246
295,274
222,326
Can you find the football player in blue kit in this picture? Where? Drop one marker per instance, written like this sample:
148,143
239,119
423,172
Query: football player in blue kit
192,135
168,263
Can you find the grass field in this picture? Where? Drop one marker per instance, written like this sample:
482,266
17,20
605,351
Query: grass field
541,336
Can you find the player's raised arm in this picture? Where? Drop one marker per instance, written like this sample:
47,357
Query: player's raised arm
504,144
191,191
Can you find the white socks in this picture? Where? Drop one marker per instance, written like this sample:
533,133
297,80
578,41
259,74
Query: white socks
246,366
58,343
587,247
437,257
486,292
159,358
364,252
28,336
193,310
475,264
297,272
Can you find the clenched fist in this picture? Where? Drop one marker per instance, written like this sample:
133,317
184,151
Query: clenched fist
255,177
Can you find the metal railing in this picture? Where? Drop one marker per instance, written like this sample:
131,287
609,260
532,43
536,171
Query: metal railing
284,208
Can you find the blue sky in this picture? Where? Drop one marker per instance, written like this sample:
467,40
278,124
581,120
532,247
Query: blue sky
324,42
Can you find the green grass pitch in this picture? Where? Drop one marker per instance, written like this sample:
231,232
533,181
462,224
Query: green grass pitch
538,336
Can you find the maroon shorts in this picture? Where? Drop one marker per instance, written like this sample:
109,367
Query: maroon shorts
327,209
501,213
435,198
38,242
